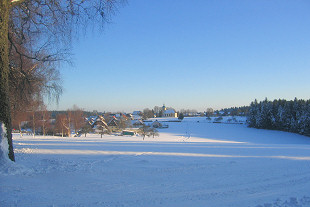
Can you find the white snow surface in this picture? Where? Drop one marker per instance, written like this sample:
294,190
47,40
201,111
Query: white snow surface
4,146
190,164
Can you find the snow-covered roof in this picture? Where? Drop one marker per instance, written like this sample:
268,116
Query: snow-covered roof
112,122
138,122
136,117
169,111
136,112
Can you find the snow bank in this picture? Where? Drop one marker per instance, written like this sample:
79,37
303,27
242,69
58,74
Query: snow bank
4,146
7,166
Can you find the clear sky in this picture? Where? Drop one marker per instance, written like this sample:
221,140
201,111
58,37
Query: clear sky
192,55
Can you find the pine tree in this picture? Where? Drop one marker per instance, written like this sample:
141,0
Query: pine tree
292,116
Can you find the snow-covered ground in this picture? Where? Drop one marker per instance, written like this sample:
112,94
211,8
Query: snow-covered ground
191,163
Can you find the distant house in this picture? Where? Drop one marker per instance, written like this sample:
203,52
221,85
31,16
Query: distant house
98,124
91,118
136,115
156,124
170,113
137,123
119,116
129,116
113,125
124,116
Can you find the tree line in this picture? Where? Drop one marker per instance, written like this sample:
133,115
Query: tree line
291,116
41,121
233,111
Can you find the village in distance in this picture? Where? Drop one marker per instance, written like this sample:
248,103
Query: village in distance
75,122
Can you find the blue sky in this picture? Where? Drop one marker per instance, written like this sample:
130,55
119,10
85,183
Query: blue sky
191,54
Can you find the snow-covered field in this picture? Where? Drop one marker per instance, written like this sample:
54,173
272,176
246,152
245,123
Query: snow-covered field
190,164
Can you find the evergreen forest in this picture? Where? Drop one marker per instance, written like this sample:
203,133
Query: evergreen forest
290,116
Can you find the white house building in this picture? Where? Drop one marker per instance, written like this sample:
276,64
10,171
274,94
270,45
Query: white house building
169,112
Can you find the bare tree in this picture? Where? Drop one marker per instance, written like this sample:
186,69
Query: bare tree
124,123
17,118
40,31
153,132
67,122
86,128
209,112
147,131
157,109
59,127
45,119
144,131
34,116
78,118
107,117
147,113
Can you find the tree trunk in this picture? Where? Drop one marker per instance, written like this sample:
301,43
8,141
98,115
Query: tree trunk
5,111
33,125
20,129
75,125
69,129
43,127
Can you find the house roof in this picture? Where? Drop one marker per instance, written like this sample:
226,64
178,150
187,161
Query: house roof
112,122
169,111
156,123
99,122
136,112
138,122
